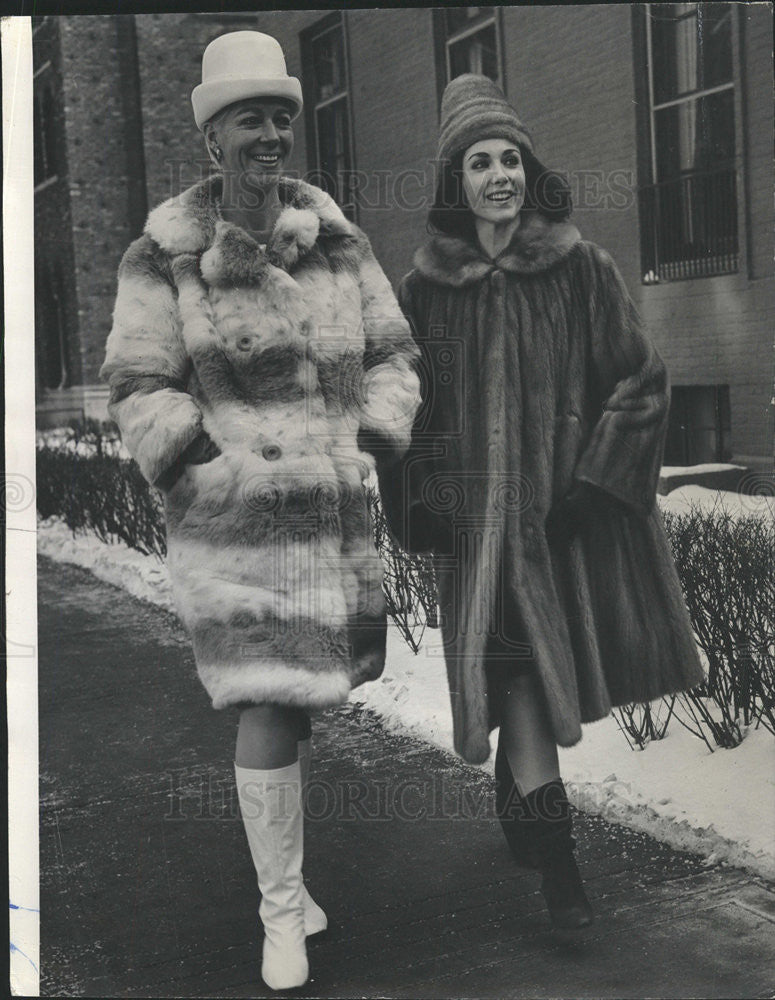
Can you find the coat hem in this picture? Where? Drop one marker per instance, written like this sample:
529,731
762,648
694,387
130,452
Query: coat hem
278,684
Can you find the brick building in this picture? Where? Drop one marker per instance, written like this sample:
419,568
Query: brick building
661,115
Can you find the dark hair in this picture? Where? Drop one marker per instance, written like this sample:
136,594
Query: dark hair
546,192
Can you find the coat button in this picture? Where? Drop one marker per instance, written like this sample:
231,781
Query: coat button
244,343
271,452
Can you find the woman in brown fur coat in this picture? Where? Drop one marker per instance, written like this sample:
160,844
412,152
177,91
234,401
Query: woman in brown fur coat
256,344
532,477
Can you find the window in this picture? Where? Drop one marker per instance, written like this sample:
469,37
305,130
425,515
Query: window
699,426
328,111
472,42
467,41
50,327
688,206
45,147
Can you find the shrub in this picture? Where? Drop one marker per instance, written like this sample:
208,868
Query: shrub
84,481
642,722
409,584
725,564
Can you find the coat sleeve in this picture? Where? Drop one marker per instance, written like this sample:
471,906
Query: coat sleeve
390,388
147,366
624,453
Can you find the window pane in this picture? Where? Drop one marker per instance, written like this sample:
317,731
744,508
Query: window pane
333,147
716,50
696,224
690,52
475,54
697,426
458,18
328,64
696,135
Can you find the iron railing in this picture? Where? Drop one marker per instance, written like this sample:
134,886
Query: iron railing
689,226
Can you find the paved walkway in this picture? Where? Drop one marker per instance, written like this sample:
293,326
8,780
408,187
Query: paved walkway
147,887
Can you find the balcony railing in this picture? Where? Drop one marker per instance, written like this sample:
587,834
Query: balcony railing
689,226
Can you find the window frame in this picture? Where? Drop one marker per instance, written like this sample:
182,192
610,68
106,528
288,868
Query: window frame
43,97
443,40
694,95
680,423
647,146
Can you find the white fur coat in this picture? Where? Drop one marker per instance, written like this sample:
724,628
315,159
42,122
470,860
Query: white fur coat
283,357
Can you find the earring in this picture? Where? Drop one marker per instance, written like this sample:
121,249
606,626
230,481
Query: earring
217,152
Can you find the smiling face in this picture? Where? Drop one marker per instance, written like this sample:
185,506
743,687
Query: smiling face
256,139
494,180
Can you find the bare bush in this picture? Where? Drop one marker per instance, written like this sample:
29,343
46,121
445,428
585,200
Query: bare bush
409,583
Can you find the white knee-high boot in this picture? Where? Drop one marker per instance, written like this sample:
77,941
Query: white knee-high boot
271,811
315,919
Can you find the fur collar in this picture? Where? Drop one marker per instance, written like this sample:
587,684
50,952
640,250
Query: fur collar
536,246
192,223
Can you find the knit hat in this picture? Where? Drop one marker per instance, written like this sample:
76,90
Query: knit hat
239,65
473,108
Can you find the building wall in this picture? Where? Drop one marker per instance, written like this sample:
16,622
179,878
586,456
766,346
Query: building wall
756,78
718,330
572,84
570,72
396,129
95,99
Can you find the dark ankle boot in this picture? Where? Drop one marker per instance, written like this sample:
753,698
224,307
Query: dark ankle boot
513,813
538,829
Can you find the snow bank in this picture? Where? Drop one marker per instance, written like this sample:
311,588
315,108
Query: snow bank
720,805
682,499
671,471
142,576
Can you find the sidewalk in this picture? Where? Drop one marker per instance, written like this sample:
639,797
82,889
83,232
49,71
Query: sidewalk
147,887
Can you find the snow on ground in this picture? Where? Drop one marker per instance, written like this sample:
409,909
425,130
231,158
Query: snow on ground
684,498
145,577
668,471
720,804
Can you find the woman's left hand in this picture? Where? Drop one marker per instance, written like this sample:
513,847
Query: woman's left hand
569,514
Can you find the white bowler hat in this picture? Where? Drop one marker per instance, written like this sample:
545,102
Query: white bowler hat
238,65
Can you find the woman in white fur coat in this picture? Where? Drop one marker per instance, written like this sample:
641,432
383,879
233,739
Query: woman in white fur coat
256,346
